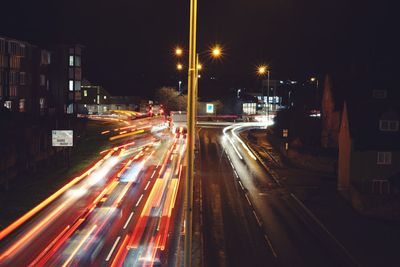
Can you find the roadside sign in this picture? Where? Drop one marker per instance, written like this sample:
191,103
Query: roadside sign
209,108
62,137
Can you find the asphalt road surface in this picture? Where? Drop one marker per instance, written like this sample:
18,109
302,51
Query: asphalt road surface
249,219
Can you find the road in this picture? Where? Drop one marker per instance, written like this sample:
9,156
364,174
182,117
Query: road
230,233
128,198
249,218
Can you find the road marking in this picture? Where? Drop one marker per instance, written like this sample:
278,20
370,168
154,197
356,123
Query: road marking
137,203
127,221
258,220
72,255
113,247
237,175
248,200
241,185
153,174
270,246
147,186
233,167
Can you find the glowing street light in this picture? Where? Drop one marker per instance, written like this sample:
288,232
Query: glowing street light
216,51
178,51
199,66
262,70
179,66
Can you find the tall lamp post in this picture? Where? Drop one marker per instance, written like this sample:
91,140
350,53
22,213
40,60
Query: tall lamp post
261,71
191,118
316,81
194,67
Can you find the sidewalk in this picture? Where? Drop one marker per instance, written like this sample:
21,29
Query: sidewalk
371,242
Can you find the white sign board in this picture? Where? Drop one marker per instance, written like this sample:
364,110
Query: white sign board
62,138
210,108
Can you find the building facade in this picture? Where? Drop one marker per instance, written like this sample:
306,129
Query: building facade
94,98
24,76
369,147
66,71
37,80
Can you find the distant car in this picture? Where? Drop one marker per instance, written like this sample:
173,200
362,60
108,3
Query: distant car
180,132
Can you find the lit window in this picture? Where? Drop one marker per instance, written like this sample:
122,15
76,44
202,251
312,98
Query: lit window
71,85
45,57
77,85
77,61
84,92
42,103
384,158
71,60
389,125
70,108
22,105
8,104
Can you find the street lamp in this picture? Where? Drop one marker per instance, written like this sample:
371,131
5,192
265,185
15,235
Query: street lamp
193,77
179,66
191,117
316,81
178,51
216,51
261,71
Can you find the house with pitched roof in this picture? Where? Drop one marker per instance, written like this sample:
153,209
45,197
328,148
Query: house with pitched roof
369,145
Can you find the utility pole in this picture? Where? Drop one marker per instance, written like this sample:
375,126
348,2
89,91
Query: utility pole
191,118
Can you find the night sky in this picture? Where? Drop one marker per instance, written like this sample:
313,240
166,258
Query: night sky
129,44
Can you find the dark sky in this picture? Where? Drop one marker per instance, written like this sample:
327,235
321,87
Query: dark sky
129,43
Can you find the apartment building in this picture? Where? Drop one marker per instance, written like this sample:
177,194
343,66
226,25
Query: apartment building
37,80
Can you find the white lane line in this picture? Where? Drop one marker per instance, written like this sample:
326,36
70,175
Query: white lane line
233,167
258,220
127,221
270,246
233,145
241,185
248,200
113,247
241,141
153,174
237,175
137,203
147,186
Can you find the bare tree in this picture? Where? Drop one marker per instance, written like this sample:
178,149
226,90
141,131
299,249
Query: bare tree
170,98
